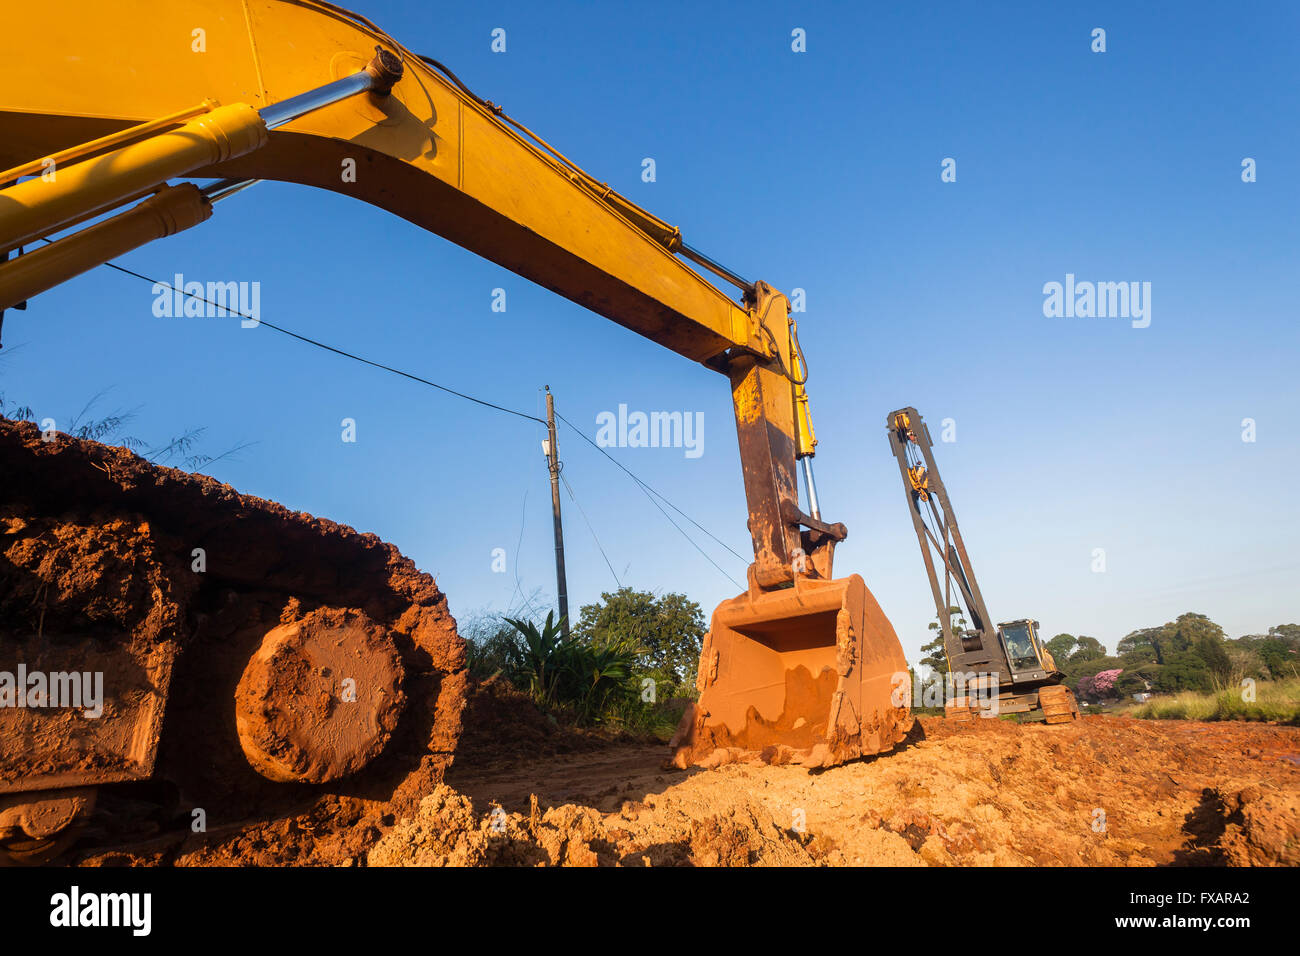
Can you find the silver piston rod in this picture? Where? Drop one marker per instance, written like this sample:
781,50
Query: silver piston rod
814,506
379,76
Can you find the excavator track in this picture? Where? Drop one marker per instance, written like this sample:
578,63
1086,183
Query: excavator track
251,662
1058,704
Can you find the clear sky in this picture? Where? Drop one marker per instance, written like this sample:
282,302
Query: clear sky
819,170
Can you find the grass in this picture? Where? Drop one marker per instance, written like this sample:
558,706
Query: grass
1277,701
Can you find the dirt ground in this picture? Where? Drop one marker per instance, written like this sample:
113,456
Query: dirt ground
1101,792
95,570
525,791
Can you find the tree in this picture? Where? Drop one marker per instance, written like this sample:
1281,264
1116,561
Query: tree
934,655
1277,653
1179,672
667,632
1286,632
1184,634
1212,651
1101,684
1138,645
1060,647
1088,649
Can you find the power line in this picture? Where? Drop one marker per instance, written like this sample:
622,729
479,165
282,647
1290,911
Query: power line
574,498
649,492
519,588
584,437
331,348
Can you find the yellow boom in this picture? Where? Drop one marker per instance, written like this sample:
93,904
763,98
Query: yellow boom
96,106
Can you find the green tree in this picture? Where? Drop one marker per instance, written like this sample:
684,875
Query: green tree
933,654
1088,649
1277,652
1187,632
1279,659
1138,645
1181,671
1060,647
1286,632
667,632
1187,653
1211,650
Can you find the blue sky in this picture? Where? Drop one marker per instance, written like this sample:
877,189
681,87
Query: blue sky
818,170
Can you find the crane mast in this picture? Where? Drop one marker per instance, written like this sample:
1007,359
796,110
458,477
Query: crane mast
995,668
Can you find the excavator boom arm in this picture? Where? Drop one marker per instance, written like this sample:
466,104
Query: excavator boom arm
111,101
429,151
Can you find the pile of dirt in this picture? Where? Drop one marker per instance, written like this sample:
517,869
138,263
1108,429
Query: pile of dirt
447,831
1255,826
503,725
1099,792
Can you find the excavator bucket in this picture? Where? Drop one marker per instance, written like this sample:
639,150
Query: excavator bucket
812,675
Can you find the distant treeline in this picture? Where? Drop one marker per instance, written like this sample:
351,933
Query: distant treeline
1190,653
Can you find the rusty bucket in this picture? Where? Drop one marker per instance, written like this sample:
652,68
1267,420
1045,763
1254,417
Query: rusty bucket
812,674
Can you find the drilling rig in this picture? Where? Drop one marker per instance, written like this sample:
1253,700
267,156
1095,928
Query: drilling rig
1003,668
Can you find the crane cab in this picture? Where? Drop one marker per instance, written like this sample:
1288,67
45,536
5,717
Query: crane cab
1027,659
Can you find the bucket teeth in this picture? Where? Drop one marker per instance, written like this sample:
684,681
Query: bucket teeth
811,675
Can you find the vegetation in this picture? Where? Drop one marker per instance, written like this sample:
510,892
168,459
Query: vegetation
1273,701
1191,670
179,451
1189,654
625,665
1186,668
933,654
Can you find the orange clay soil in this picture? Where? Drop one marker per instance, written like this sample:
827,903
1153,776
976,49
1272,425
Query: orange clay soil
95,547
1102,791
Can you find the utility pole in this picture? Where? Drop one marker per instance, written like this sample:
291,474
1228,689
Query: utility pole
553,463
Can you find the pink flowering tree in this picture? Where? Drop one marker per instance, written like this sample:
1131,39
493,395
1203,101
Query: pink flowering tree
1100,685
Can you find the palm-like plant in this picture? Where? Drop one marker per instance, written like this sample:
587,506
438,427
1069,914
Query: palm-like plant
541,656
599,674
574,673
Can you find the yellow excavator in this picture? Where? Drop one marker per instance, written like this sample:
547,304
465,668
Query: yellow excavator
127,122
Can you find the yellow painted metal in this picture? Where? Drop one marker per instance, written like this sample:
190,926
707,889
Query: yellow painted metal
763,399
40,206
168,211
805,437
444,160
63,157
428,152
